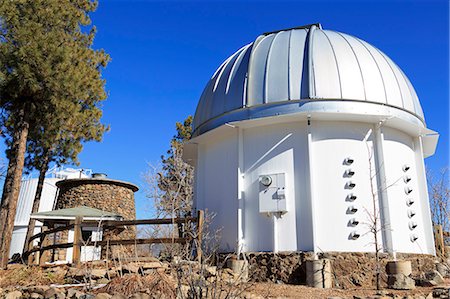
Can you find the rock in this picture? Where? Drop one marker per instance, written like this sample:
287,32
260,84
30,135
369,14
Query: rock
79,295
140,296
118,296
50,293
334,298
38,289
441,293
443,269
212,271
130,268
429,296
434,277
103,296
103,281
71,293
36,296
14,295
401,282
151,265
98,273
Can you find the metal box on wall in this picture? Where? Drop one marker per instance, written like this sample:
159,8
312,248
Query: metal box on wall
272,193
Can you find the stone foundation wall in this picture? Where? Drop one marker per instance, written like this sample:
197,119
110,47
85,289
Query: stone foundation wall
349,269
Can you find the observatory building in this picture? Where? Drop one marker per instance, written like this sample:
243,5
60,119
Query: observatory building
304,136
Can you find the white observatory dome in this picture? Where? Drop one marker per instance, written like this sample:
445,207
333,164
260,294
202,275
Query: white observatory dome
282,71
292,135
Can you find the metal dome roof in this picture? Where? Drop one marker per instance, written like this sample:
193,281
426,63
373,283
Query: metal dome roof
301,65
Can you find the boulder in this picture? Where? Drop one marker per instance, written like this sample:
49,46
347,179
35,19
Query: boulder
401,282
441,293
14,295
103,281
98,273
434,277
36,296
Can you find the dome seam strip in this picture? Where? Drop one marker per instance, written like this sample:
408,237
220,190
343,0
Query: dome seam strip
395,76
378,67
311,77
357,61
266,68
335,61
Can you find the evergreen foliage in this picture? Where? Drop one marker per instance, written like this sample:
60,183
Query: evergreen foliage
50,89
176,178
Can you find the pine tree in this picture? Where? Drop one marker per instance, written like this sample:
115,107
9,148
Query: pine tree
60,145
47,69
176,178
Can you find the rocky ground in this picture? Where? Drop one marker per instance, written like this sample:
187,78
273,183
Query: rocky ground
154,279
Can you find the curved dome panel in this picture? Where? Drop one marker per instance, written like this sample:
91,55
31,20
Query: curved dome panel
303,64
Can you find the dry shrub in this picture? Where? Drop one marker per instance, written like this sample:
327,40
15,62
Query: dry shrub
27,276
160,285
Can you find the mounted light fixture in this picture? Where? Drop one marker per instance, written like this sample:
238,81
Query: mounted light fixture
411,213
405,168
412,225
351,185
349,173
406,179
413,237
351,197
348,161
408,190
354,235
352,210
353,222
409,202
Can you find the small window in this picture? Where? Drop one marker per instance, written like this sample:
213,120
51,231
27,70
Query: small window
86,235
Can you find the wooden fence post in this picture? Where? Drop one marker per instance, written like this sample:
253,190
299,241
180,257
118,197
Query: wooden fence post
42,244
30,255
200,220
77,241
439,239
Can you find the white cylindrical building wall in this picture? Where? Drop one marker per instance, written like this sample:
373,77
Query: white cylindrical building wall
273,129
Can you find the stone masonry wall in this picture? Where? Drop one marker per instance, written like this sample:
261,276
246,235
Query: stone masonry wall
103,196
349,269
106,195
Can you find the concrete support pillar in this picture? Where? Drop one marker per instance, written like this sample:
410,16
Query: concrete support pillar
318,274
239,268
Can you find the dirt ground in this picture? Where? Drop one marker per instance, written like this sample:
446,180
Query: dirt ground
271,290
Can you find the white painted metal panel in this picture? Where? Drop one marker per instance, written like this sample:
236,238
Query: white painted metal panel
218,190
326,74
399,151
297,90
276,68
257,71
236,82
391,87
373,82
277,72
350,75
270,149
333,143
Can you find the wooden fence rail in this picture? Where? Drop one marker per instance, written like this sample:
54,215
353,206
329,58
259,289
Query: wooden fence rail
78,242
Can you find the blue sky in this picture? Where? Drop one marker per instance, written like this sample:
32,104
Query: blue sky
163,54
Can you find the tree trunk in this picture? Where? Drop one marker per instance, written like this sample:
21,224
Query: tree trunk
11,187
37,197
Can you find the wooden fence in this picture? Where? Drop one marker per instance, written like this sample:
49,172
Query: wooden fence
78,241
